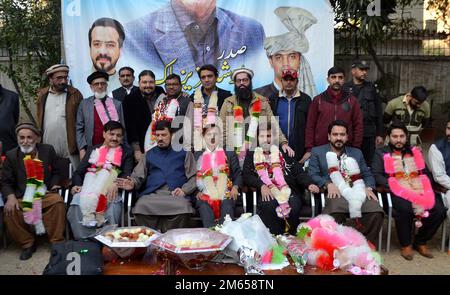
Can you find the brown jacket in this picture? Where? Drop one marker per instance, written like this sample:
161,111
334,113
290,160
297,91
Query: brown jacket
74,97
266,113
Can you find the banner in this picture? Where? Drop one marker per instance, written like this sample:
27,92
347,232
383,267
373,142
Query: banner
179,36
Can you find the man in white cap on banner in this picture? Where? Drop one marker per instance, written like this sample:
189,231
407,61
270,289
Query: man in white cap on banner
57,107
287,51
246,104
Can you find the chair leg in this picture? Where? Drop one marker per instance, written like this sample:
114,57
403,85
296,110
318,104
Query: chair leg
444,234
254,203
388,238
244,202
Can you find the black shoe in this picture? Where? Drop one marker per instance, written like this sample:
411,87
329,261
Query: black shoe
27,252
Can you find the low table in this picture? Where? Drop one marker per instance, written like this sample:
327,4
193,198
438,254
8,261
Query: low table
140,267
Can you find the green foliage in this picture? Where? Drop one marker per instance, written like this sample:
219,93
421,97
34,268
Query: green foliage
30,32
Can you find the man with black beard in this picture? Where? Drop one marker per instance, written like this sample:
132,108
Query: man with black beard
138,107
247,99
337,202
95,111
400,150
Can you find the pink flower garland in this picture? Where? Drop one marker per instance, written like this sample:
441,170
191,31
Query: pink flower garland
102,112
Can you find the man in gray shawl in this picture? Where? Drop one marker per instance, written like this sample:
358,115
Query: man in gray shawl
286,51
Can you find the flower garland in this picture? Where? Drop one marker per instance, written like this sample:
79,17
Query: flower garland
239,147
327,245
407,181
164,111
200,118
345,174
274,180
213,179
34,192
104,169
100,108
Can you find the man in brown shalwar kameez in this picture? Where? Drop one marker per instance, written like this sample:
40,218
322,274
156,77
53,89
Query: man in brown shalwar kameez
14,185
166,181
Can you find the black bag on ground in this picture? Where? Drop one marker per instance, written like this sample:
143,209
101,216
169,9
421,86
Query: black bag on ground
75,257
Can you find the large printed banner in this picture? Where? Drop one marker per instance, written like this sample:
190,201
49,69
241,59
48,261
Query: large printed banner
178,36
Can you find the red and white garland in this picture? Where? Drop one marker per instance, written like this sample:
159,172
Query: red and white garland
271,174
34,192
213,179
345,174
407,181
104,169
200,118
100,108
165,110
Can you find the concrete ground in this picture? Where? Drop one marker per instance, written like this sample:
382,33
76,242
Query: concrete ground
397,265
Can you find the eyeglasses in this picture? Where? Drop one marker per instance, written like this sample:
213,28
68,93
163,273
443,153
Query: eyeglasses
99,84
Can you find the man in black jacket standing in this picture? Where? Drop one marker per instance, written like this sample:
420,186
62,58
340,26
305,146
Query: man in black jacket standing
138,108
9,116
370,102
291,106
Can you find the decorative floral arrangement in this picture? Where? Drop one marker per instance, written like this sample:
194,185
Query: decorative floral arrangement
325,244
34,192
213,179
345,174
407,181
271,174
104,169
100,108
164,111
201,118
239,147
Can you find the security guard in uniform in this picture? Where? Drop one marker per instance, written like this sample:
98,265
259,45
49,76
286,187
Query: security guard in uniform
370,102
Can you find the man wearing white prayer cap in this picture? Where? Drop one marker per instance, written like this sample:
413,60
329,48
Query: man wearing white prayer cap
286,51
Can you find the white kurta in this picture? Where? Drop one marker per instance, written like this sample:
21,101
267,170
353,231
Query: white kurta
55,129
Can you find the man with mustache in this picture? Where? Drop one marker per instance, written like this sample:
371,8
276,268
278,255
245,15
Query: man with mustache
113,139
138,107
49,210
106,37
126,79
57,107
399,148
210,160
247,99
370,101
411,109
337,205
95,111
335,103
165,180
439,159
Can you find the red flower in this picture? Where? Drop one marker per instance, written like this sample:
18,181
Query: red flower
257,105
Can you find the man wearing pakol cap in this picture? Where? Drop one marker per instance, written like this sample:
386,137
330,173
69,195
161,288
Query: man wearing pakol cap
29,184
287,51
95,111
250,106
370,101
411,109
57,107
291,107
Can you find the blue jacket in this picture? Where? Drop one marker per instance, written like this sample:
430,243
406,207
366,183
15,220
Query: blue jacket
156,39
318,166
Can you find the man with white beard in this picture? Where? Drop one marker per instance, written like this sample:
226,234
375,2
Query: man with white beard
95,111
30,180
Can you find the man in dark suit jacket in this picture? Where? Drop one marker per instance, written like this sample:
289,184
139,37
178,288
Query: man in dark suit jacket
126,79
113,133
138,108
194,32
9,116
14,185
